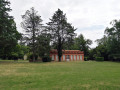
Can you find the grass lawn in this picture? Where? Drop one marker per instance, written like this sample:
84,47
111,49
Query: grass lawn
88,75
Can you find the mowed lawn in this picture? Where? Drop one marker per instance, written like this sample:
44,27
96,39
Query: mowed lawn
78,75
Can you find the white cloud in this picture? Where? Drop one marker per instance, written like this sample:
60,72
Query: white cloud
83,14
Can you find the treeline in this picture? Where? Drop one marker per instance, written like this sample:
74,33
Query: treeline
108,46
38,38
58,33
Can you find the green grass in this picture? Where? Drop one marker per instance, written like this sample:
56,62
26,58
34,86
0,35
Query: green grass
88,75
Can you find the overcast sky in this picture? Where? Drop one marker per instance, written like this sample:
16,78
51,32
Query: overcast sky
90,17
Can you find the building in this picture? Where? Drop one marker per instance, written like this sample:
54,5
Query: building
68,55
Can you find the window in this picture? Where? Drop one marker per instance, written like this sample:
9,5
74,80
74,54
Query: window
68,57
71,57
52,57
80,57
74,57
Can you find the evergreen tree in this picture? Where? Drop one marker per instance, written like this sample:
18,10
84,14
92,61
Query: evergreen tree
32,26
61,31
80,43
43,45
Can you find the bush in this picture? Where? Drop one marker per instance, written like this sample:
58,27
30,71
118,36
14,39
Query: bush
85,58
99,58
46,59
30,57
115,57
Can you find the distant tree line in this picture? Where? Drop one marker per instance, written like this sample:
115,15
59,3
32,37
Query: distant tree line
109,46
58,33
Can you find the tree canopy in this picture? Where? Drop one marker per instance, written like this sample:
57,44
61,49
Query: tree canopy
80,43
9,35
109,46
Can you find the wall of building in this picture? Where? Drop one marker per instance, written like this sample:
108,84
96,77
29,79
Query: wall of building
68,56
73,57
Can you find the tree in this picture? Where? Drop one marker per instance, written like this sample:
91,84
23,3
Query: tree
108,46
102,48
9,35
19,52
82,44
61,31
113,35
32,25
43,42
92,54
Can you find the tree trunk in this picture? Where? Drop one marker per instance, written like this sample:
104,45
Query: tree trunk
59,49
59,58
33,56
33,46
33,23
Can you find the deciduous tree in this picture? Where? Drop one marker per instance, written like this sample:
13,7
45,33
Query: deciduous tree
9,35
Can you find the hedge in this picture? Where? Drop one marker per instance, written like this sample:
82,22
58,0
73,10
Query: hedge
99,58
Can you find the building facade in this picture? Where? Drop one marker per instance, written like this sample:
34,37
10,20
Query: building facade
68,55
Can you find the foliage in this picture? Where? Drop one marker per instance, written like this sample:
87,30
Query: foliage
32,26
113,34
99,58
101,51
109,46
115,57
85,58
9,35
24,40
18,52
30,57
43,45
46,59
102,48
80,43
92,54
60,30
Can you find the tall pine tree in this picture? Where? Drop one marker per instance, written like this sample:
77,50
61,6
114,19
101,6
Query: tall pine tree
32,26
61,31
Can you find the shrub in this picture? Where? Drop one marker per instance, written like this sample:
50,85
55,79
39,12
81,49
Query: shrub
46,59
30,57
85,58
99,58
115,57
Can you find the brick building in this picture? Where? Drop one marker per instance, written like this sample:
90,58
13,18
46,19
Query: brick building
68,55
